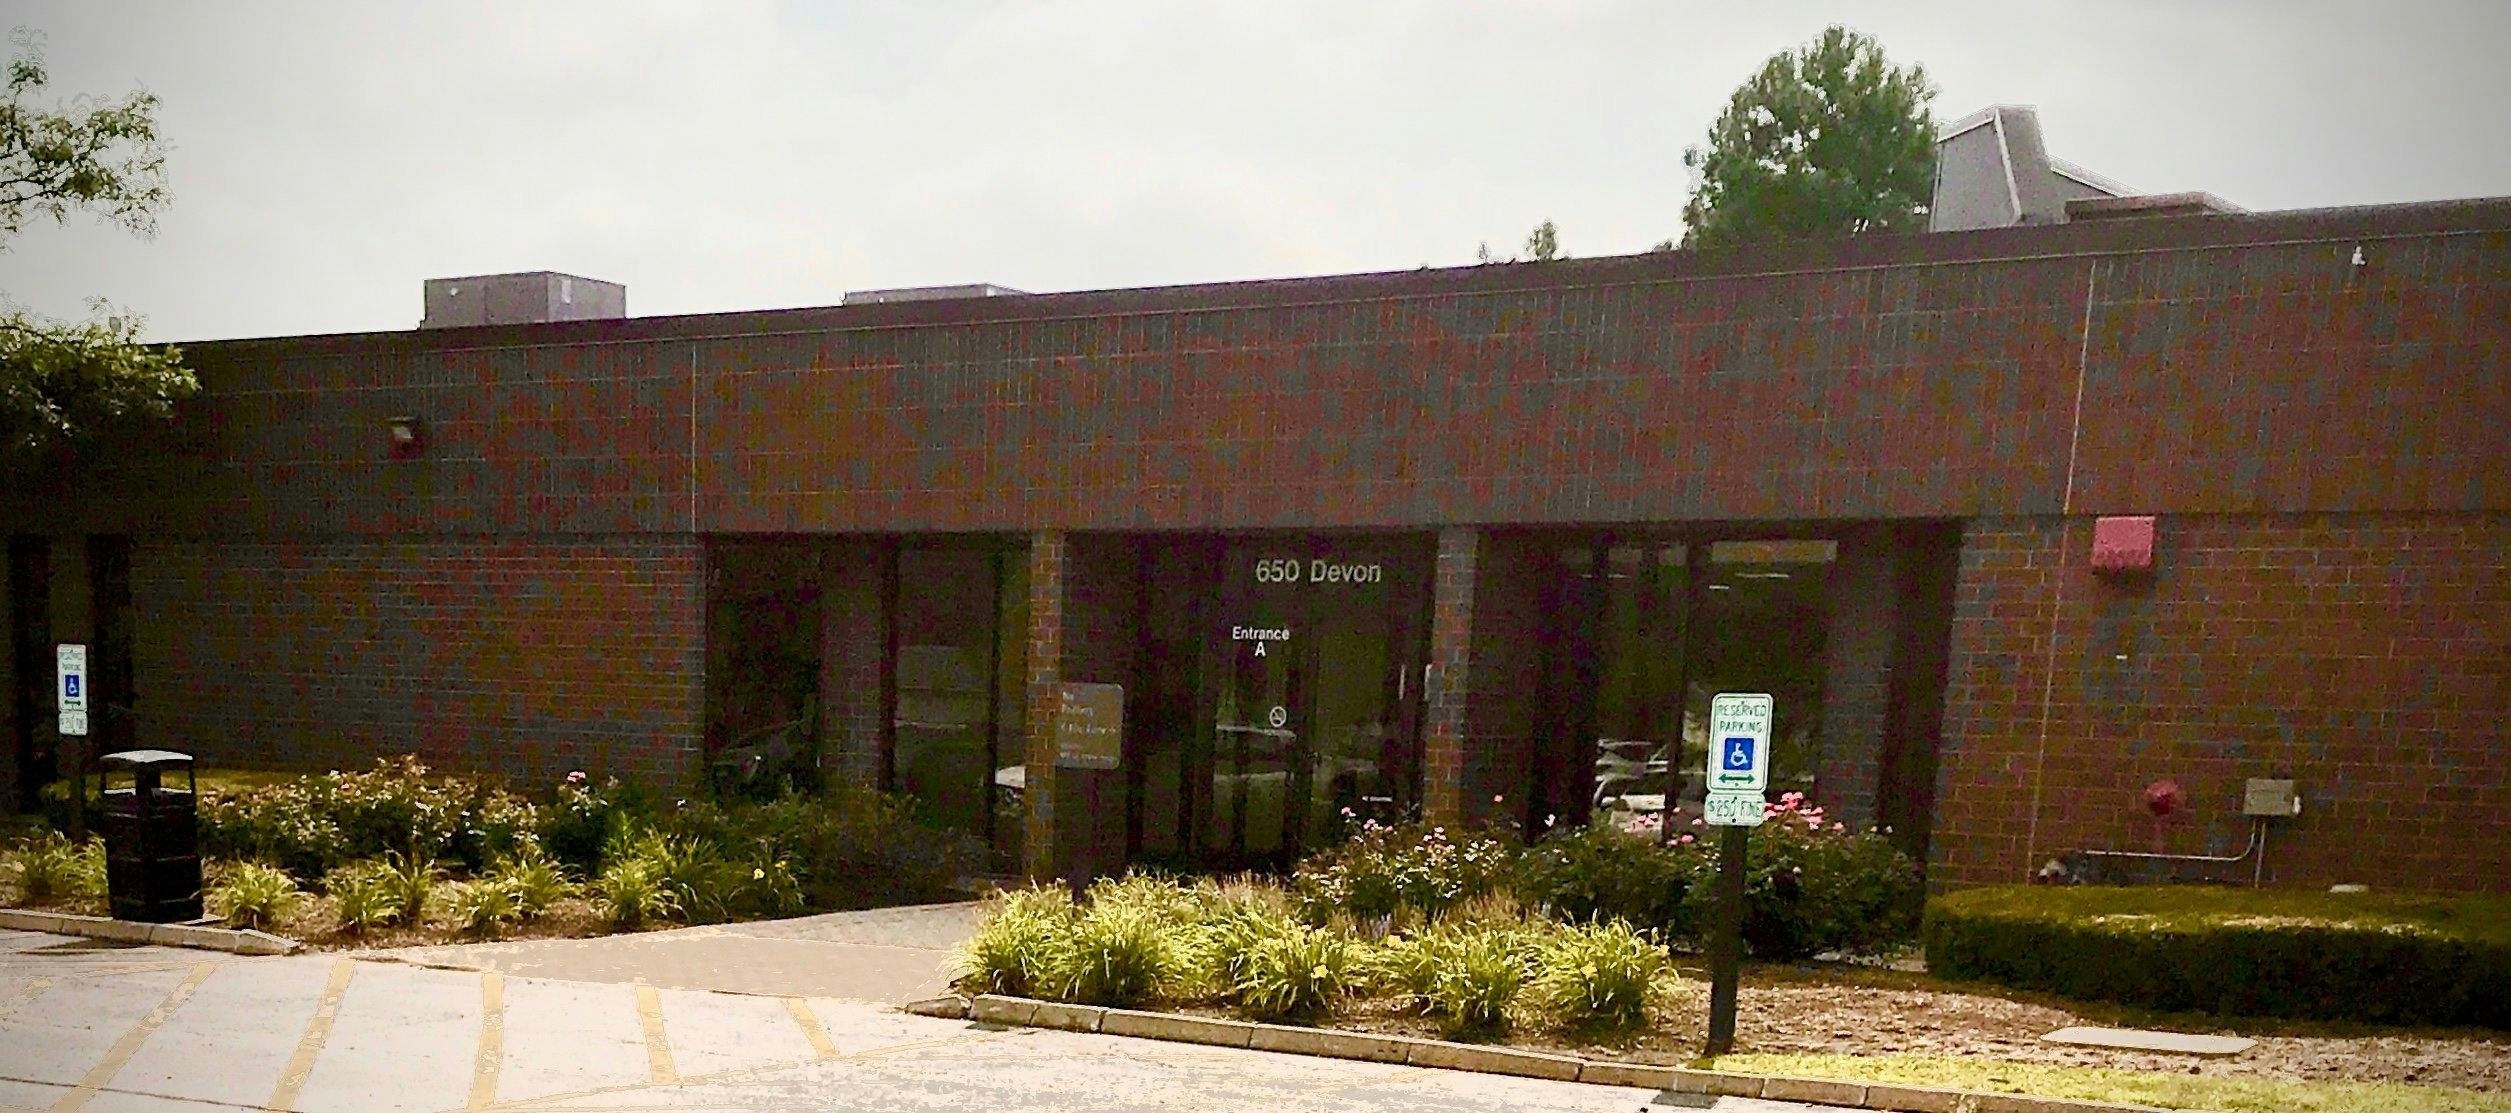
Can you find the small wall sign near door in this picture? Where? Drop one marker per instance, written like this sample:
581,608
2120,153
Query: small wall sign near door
73,688
1090,726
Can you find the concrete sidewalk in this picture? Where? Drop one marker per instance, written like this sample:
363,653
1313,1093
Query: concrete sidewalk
885,956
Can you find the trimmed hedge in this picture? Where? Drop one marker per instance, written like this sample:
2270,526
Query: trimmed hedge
2391,958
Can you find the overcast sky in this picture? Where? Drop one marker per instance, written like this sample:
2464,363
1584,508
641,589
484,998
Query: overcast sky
326,157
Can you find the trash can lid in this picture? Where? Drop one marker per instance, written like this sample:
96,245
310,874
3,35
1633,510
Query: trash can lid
139,758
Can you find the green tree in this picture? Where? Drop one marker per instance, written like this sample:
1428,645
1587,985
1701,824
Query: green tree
1829,139
60,380
1542,246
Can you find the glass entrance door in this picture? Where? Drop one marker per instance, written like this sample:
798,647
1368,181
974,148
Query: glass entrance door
1314,657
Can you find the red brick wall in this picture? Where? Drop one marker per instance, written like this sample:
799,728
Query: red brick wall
2366,656
521,656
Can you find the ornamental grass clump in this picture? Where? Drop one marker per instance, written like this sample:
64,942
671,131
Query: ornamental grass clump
484,907
1601,976
364,895
411,879
1293,972
536,878
1467,976
1117,954
1012,950
252,894
635,890
50,867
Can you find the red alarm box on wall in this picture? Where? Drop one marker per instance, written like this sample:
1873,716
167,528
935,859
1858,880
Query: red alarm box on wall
2123,544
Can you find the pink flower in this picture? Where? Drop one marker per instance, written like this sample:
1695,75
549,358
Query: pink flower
1684,839
1839,826
1697,822
575,777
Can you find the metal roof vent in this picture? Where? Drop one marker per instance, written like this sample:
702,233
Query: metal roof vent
524,297
929,293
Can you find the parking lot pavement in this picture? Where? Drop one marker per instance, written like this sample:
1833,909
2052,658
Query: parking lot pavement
87,1027
886,956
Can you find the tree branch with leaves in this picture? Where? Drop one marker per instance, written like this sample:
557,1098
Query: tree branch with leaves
60,380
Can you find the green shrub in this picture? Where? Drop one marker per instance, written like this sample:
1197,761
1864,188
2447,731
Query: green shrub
252,894
1119,955
410,882
634,891
364,893
484,907
536,877
2237,952
1013,949
847,847
583,816
48,866
1418,867
1602,976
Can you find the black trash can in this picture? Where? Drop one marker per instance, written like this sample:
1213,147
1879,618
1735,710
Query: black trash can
152,837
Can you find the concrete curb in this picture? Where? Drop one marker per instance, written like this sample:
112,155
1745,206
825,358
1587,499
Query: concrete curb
1373,1048
230,940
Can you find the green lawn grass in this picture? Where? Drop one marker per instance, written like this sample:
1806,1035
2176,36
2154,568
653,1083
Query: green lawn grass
2172,1091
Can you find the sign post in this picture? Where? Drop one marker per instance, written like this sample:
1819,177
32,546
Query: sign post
1089,744
73,691
1738,774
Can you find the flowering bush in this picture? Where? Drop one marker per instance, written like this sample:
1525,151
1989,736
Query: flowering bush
1812,885
307,825
1610,872
1417,867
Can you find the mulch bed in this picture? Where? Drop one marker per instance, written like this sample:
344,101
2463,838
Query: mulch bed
1852,1010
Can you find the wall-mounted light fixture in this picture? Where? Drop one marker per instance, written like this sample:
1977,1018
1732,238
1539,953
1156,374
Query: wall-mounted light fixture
407,437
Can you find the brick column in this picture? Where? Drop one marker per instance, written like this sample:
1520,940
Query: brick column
854,660
1451,652
1046,669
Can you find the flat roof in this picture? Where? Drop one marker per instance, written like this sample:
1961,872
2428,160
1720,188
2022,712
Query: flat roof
1841,254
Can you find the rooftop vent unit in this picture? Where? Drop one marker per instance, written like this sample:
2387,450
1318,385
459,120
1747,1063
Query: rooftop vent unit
526,297
928,293
1993,171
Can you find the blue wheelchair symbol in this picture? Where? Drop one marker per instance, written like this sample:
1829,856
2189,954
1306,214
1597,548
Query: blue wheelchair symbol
69,686
1739,754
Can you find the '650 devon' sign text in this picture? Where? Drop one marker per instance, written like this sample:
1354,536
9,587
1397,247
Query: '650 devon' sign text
1291,570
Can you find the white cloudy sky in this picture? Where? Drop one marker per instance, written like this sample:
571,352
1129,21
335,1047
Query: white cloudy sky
328,156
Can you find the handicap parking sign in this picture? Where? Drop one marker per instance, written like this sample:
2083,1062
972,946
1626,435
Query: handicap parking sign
1739,752
69,685
1740,761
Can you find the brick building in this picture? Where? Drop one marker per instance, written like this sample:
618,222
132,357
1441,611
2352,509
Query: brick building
1477,541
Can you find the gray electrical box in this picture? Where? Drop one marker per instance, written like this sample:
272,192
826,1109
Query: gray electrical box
2270,798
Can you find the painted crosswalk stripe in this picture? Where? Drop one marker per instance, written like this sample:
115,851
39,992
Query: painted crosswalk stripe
317,1029
812,1030
492,1053
649,1008
130,1042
